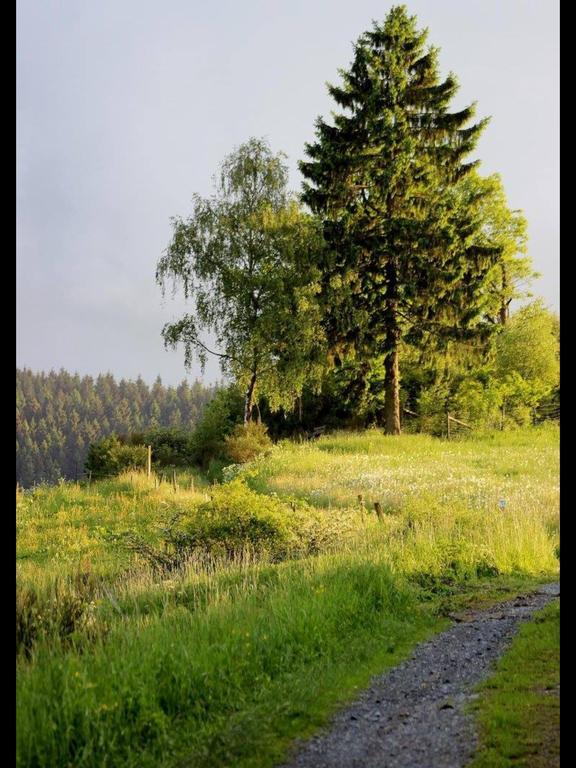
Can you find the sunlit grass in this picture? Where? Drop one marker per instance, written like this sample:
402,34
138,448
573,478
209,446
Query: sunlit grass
226,659
396,470
68,527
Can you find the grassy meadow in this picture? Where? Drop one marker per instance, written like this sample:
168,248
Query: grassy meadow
211,625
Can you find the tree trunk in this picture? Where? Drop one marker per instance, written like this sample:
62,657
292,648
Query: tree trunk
248,399
504,302
392,393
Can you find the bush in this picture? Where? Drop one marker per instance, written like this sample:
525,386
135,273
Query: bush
247,441
112,456
171,447
215,470
236,519
220,417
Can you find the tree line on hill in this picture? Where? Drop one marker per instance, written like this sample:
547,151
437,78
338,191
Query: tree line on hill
67,425
516,384
59,415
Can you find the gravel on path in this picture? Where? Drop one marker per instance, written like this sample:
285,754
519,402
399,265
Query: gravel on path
413,716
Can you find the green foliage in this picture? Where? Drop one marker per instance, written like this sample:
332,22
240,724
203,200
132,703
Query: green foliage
171,447
111,457
244,258
529,346
236,520
407,252
238,523
220,417
504,229
247,441
515,382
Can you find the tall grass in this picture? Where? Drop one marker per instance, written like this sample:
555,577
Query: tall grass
221,684
70,527
225,660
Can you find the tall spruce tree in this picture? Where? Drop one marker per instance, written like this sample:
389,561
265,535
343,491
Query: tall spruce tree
404,261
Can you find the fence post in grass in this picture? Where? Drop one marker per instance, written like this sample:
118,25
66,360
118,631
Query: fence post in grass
448,425
174,480
191,483
89,478
149,462
378,509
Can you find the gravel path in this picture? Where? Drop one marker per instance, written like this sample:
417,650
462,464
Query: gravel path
413,715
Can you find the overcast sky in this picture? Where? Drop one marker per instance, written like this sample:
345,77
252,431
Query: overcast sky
126,108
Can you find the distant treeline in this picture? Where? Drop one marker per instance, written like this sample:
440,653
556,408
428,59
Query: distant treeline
58,416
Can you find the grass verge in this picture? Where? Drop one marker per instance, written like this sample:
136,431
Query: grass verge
227,685
519,707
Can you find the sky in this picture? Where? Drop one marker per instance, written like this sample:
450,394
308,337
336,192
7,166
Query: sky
125,108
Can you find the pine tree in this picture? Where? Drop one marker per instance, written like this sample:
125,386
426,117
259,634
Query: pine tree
58,415
402,261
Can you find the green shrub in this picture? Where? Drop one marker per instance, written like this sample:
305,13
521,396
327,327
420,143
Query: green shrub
215,470
234,520
247,441
171,447
220,417
112,456
238,520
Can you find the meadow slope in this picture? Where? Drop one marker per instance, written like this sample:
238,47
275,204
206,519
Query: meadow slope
209,626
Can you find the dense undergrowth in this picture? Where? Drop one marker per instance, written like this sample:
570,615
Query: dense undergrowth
213,624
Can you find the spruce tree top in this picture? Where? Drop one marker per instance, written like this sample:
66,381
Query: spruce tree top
397,111
383,178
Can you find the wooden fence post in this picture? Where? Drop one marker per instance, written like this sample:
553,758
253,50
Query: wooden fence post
149,462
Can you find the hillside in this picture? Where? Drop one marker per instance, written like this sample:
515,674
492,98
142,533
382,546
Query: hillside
216,624
59,414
